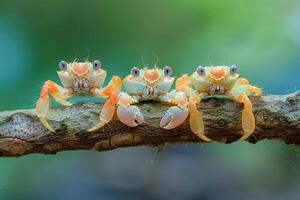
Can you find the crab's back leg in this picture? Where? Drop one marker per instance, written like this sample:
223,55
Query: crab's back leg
111,91
249,90
59,93
240,93
184,84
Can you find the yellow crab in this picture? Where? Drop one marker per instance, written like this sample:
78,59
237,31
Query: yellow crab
80,78
218,80
151,84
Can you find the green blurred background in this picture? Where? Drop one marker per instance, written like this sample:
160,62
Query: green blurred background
261,36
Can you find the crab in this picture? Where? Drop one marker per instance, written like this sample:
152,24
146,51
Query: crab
151,84
218,80
80,79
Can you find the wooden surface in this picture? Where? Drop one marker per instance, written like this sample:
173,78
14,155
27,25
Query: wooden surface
21,133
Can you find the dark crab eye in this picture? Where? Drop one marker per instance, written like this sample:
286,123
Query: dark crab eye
96,65
168,71
201,70
135,72
233,69
63,65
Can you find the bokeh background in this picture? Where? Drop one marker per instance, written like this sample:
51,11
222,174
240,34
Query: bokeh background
261,36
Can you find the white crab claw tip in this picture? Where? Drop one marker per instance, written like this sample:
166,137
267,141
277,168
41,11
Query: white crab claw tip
130,116
139,119
166,120
174,117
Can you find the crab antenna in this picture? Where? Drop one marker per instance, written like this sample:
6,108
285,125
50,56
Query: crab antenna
149,59
88,55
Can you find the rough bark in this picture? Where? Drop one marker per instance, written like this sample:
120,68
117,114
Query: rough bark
21,133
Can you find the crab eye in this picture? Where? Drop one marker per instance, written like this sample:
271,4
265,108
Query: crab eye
96,65
201,70
135,72
233,69
63,65
168,71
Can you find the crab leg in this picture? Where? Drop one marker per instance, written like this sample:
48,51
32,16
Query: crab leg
42,106
196,121
184,84
240,93
108,110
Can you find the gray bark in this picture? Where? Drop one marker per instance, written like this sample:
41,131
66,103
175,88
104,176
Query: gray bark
21,133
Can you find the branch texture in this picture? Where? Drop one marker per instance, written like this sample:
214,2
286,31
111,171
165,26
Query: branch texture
21,133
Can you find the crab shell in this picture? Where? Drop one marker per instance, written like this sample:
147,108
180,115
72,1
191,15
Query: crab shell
215,80
148,78
82,70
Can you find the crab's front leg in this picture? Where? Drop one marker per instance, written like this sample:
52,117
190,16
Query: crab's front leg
240,93
184,84
175,115
127,113
59,93
196,119
108,110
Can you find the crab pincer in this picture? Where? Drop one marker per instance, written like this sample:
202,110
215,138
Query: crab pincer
177,114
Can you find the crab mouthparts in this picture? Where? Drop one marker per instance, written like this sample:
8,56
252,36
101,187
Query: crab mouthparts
81,85
151,76
80,69
217,74
216,89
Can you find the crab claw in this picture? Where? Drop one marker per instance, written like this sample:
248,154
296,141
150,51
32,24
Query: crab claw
174,117
130,116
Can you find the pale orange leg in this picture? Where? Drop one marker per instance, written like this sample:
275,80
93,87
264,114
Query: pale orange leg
248,120
115,84
184,84
196,122
43,103
240,93
108,110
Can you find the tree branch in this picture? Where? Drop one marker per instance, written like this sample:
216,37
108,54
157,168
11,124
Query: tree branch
21,133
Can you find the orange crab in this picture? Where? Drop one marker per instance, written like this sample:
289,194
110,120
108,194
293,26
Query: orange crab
80,78
218,80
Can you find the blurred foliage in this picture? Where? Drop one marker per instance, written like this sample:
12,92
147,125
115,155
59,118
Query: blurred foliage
261,36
